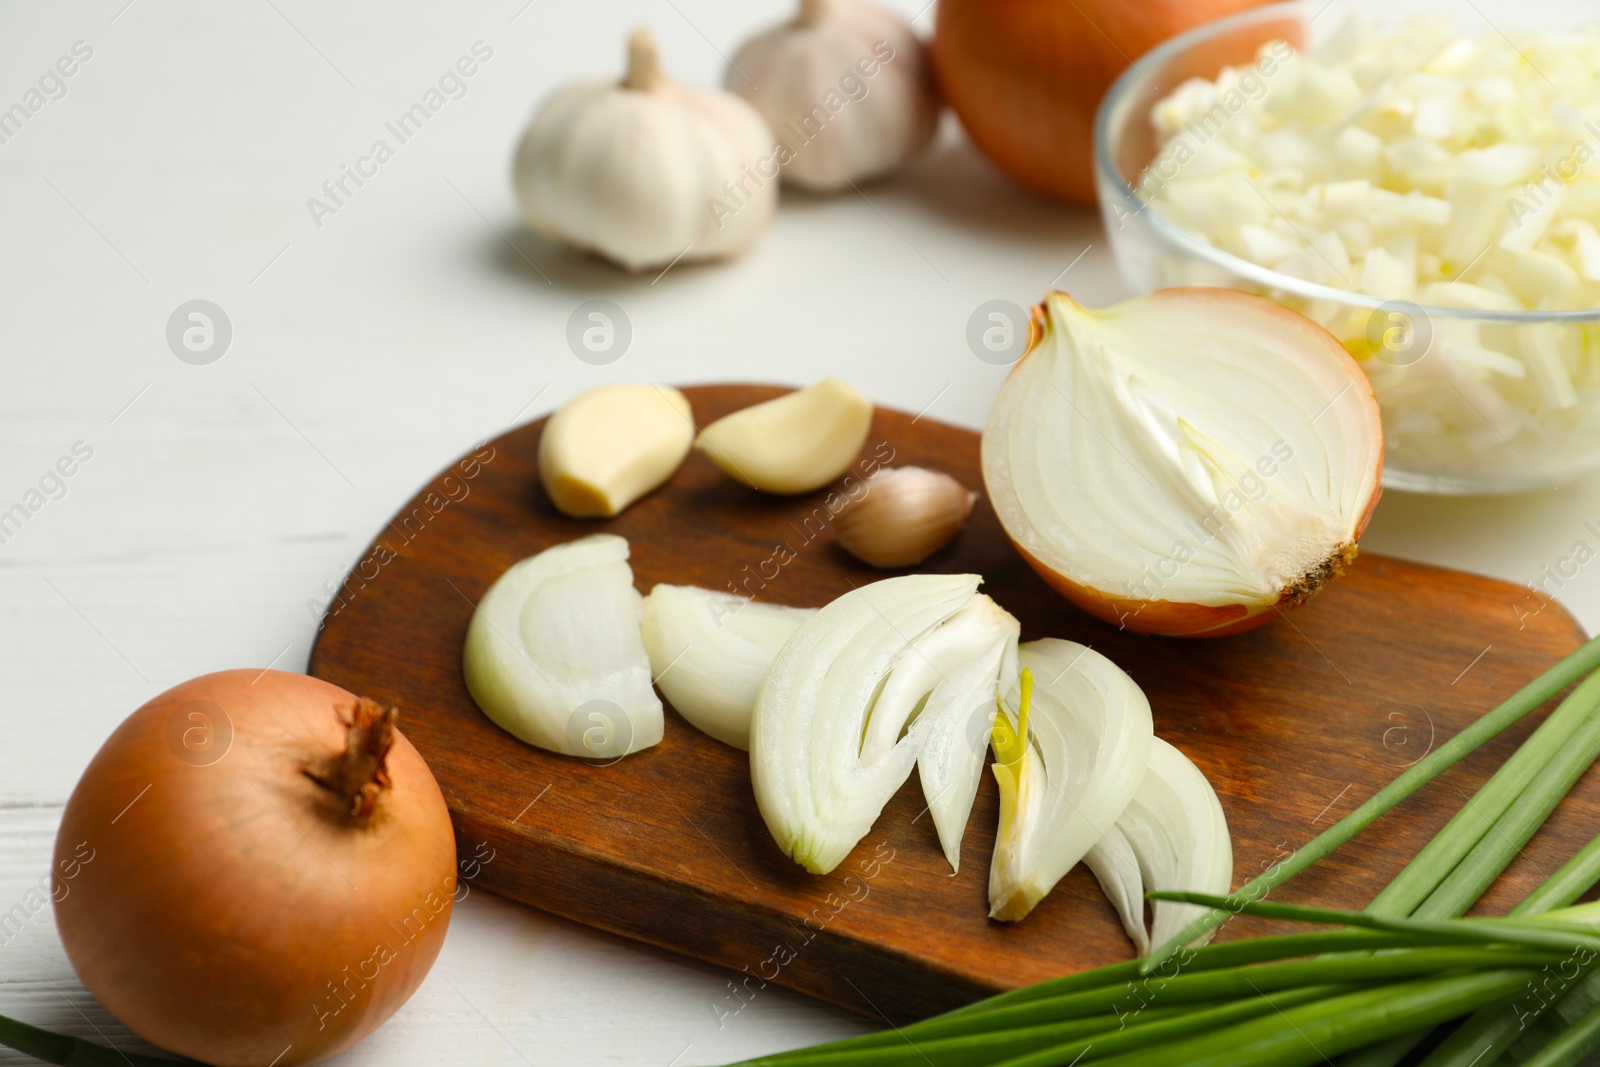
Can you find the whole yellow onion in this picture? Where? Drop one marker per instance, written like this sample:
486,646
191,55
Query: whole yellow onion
1026,76
255,868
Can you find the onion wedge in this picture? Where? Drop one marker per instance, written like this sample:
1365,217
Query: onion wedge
554,657
1067,767
829,743
1116,868
1184,463
1172,835
711,651
953,673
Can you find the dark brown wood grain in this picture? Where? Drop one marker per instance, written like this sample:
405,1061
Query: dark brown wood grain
1295,724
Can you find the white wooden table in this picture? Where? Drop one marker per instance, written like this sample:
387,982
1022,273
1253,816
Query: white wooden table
369,351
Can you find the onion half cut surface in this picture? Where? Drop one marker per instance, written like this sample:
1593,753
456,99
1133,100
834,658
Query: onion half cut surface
1184,463
554,655
850,702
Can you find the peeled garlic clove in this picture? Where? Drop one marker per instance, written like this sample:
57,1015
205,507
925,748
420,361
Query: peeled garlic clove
608,447
646,171
794,443
1184,463
1066,766
711,651
554,657
905,515
847,87
834,684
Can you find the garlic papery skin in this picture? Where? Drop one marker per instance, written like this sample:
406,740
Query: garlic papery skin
903,516
1184,463
1175,836
554,657
607,447
711,651
847,87
646,172
1067,766
842,678
793,443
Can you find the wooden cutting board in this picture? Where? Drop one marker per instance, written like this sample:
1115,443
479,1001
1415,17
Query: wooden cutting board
1295,724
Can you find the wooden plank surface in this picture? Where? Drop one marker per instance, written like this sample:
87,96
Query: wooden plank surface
1294,723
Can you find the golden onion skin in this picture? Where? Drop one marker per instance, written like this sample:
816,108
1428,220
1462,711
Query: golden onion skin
226,906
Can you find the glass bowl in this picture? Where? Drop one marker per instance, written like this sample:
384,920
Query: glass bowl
1447,428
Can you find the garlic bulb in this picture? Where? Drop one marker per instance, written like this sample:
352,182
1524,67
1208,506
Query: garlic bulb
554,656
606,448
848,88
646,172
1067,767
711,651
906,515
793,443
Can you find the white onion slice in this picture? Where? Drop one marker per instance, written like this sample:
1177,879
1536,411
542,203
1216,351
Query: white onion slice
1172,835
553,654
828,741
1185,462
711,651
1088,738
961,668
1117,869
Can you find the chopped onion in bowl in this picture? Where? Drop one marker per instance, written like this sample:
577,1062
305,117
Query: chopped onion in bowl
1417,168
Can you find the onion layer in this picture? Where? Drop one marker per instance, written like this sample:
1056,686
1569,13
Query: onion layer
265,870
1067,767
1186,462
711,651
828,741
554,657
1172,835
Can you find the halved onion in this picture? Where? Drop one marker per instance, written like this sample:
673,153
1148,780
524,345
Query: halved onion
711,651
554,657
1066,767
829,743
1183,463
1172,835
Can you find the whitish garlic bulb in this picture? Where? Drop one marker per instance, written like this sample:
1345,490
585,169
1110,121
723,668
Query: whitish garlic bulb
646,172
847,87
906,515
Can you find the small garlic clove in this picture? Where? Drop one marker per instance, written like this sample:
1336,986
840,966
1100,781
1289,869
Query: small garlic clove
608,447
906,515
794,443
